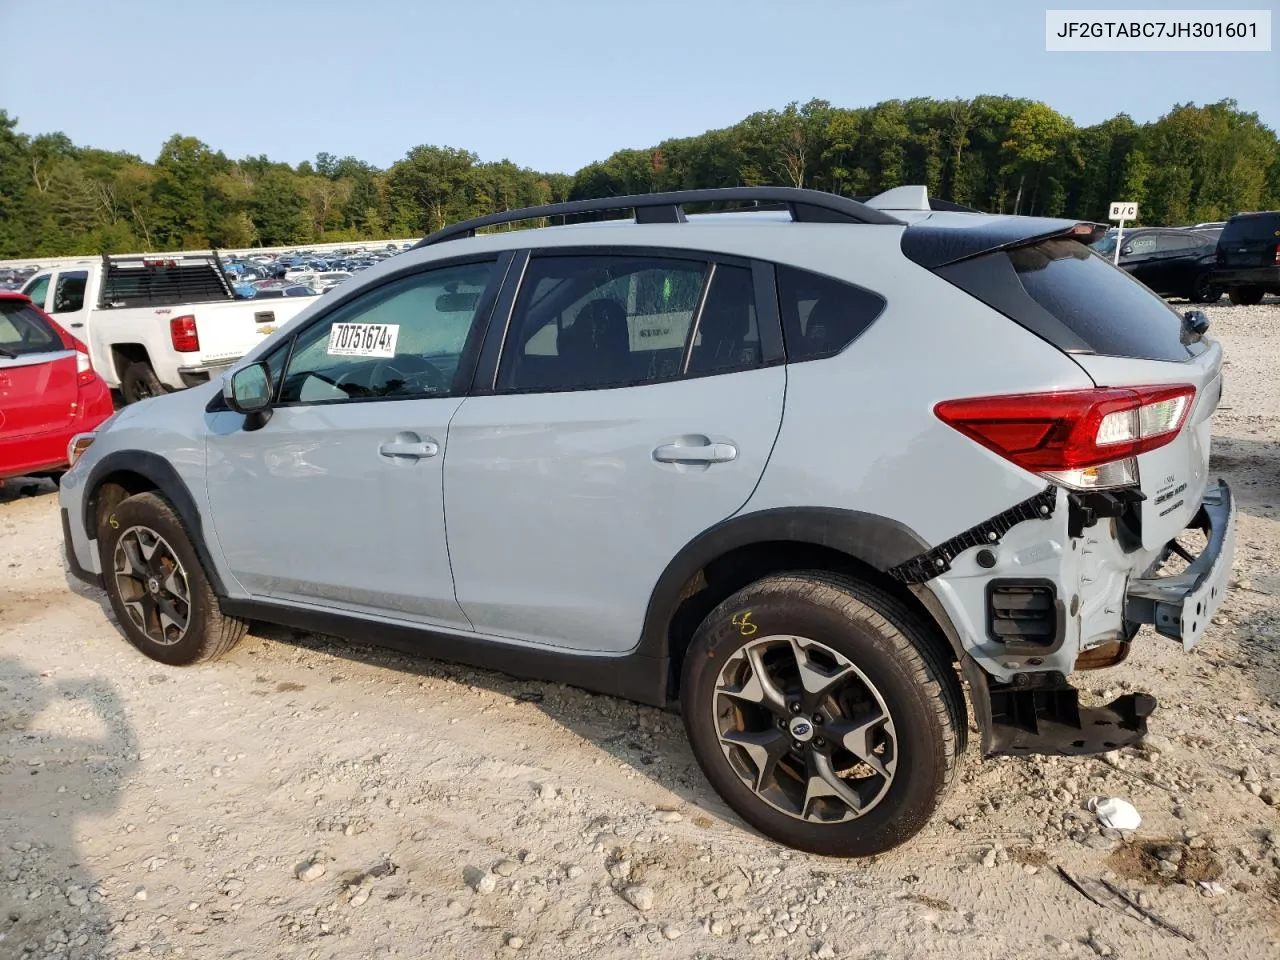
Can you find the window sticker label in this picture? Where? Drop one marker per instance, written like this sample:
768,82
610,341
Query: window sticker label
363,339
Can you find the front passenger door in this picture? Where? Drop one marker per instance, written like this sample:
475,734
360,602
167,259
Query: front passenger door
338,499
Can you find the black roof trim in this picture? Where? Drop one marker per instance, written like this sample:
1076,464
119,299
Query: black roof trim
806,206
934,245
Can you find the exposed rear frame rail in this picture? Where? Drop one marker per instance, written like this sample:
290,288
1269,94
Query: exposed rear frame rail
806,206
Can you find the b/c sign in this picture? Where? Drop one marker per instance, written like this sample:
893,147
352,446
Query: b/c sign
1123,211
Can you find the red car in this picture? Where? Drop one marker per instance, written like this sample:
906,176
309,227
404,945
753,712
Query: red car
48,391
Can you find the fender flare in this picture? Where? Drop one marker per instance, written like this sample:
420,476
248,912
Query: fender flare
879,542
162,475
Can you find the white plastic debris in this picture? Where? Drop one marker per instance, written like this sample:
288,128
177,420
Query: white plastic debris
1115,814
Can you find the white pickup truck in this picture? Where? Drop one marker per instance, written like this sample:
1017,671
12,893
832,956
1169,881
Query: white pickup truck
155,324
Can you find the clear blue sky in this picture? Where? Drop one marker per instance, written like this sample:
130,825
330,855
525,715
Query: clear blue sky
553,84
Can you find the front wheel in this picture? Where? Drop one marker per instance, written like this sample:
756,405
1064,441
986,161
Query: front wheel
822,712
157,588
1245,296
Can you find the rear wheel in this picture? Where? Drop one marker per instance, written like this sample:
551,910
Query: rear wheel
157,588
1245,296
1205,291
820,710
140,382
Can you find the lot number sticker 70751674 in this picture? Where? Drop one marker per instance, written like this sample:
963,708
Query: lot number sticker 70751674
363,339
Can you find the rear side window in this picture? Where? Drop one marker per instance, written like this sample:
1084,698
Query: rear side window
1106,309
1251,228
23,331
594,322
821,316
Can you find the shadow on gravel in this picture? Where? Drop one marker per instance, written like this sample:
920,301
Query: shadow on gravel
55,786
22,488
649,740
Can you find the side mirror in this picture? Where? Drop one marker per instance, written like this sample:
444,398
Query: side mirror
248,391
1194,326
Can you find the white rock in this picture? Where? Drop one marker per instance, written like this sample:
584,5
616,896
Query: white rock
310,871
360,895
825,951
77,896
620,869
515,943
989,858
668,816
639,896
547,792
573,872
481,881
505,868
140,893
672,932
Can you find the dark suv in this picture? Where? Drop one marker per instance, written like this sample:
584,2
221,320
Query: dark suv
1249,257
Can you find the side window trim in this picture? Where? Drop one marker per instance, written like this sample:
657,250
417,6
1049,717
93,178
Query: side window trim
501,261
695,322
484,379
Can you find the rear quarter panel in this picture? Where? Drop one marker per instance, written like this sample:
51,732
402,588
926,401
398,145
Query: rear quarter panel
859,430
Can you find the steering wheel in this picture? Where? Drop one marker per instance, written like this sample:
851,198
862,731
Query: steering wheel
416,375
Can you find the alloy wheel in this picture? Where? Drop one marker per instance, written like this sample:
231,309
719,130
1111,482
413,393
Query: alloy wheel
805,729
153,585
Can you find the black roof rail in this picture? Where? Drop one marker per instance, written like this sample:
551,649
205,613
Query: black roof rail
806,206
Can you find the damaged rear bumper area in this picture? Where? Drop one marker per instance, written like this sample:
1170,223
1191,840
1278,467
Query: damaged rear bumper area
1041,712
1180,606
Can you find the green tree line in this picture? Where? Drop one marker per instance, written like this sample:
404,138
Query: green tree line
1000,154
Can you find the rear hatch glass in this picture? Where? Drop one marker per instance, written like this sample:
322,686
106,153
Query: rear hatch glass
1250,241
1064,292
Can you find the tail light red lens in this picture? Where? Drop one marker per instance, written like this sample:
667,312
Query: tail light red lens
1278,254
1072,430
183,333
84,369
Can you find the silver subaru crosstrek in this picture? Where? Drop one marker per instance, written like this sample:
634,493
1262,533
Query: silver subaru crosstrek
811,471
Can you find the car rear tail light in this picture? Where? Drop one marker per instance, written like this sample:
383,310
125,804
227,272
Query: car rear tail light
84,369
182,330
1278,254
1085,439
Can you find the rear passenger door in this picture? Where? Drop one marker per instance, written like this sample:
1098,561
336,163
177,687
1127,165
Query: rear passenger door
634,404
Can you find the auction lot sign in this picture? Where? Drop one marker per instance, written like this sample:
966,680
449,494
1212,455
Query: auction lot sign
1133,31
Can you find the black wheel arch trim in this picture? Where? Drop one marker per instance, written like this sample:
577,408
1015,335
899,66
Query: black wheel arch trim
162,475
877,541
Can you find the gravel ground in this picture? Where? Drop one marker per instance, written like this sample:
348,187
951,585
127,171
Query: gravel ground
309,798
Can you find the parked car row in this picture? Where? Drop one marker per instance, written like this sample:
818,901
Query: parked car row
304,272
1240,257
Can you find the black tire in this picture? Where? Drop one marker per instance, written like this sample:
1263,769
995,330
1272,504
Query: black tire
139,382
208,633
1245,296
1205,291
891,648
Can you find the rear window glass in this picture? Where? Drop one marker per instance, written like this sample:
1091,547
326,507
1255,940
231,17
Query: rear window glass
1106,308
24,331
1252,228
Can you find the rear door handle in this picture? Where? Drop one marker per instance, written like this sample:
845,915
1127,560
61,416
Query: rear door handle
409,449
695,453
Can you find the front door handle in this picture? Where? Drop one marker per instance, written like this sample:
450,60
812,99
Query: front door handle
76,326
705,452
403,448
